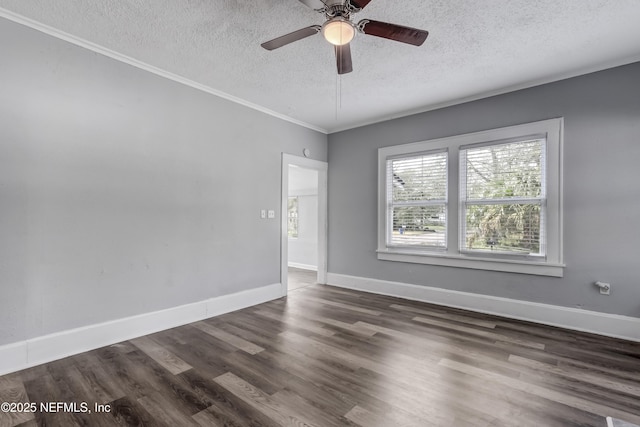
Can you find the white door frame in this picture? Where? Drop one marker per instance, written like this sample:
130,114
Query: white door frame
321,167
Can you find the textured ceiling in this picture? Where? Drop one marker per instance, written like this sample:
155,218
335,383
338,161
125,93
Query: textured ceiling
474,49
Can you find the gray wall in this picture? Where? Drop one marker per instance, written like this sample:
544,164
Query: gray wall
601,191
122,192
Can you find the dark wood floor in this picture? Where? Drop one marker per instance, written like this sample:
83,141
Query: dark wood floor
326,356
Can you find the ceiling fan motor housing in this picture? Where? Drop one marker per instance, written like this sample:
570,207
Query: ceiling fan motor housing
337,10
331,3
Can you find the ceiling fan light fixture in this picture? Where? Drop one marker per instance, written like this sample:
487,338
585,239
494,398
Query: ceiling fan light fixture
338,31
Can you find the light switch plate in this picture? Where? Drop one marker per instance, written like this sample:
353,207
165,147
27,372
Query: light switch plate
263,213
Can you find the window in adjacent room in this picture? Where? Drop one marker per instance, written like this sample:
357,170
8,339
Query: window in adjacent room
292,215
488,200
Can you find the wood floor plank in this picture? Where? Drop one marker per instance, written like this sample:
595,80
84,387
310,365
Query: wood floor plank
475,331
432,347
248,320
200,352
553,395
44,390
229,338
315,380
331,323
12,391
207,418
224,405
170,386
477,397
254,334
598,356
419,399
92,375
345,306
162,409
583,391
301,407
256,373
368,418
398,365
127,412
600,380
66,392
260,400
141,376
304,324
160,354
449,316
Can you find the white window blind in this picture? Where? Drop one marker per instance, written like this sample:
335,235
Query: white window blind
503,197
488,200
417,200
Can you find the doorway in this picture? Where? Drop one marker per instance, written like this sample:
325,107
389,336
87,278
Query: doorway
304,222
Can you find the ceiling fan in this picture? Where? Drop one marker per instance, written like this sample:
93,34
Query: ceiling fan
339,29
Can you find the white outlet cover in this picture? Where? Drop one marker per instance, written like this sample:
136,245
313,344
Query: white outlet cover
272,214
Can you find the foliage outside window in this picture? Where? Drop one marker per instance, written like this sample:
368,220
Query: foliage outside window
502,197
292,215
488,200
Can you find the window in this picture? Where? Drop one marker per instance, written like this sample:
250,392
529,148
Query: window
488,200
417,197
502,197
292,215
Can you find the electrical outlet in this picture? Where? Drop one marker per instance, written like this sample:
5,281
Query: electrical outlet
272,214
263,213
605,288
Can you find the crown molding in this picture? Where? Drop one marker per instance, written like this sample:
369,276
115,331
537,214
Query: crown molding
488,94
46,29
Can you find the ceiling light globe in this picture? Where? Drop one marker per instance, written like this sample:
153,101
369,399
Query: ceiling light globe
338,31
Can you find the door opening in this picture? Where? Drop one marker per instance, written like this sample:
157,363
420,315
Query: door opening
304,217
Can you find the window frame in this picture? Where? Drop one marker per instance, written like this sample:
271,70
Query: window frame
551,264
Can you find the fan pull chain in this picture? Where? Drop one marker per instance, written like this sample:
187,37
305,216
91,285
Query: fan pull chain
338,94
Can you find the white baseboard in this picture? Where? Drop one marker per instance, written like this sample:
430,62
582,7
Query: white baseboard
611,325
35,351
303,266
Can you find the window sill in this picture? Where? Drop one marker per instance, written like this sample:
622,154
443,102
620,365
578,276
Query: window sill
462,261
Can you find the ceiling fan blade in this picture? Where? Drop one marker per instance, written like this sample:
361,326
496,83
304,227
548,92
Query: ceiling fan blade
291,37
393,32
314,4
359,4
343,59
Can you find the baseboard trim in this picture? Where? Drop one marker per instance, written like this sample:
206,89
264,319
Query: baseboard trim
303,266
611,325
35,351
